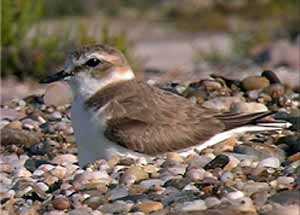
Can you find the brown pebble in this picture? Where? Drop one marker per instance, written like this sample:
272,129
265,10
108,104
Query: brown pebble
174,156
294,157
255,83
149,207
61,203
275,90
15,125
227,145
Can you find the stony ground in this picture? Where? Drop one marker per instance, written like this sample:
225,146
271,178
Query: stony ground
257,173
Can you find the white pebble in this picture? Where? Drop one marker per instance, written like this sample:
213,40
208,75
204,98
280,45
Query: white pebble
212,202
235,195
271,162
197,205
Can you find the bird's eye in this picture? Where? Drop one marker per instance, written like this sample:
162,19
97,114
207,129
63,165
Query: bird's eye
93,62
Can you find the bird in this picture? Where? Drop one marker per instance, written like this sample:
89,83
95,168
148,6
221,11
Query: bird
113,113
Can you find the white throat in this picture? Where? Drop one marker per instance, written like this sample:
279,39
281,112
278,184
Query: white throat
85,85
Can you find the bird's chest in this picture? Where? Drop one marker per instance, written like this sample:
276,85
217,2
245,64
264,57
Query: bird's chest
89,127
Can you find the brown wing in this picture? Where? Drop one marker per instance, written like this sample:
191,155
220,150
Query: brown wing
148,120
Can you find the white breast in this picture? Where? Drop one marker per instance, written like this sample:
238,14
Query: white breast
89,130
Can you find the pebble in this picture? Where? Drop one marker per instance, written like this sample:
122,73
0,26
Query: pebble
95,201
284,181
244,205
150,206
174,156
248,107
255,83
136,173
61,203
219,162
196,174
81,211
227,176
118,207
221,104
211,202
150,183
253,187
275,90
117,193
65,159
235,195
271,162
197,205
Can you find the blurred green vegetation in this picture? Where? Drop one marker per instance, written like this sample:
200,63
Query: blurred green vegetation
26,51
26,54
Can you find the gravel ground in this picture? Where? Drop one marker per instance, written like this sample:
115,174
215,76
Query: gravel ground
256,173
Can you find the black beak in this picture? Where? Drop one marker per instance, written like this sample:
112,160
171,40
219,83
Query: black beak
56,77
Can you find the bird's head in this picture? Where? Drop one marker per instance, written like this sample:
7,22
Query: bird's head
93,67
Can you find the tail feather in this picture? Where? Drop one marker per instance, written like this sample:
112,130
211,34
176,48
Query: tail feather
236,128
234,120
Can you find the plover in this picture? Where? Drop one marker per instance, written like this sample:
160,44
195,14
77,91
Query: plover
113,113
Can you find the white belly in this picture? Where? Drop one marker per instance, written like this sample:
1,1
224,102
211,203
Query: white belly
89,130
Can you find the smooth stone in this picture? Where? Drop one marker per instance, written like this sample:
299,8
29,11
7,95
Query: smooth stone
44,187
235,195
255,83
197,161
292,141
118,207
81,211
95,201
275,90
244,205
84,179
65,159
260,198
39,149
212,202
271,76
286,197
136,172
196,174
197,205
15,125
284,181
117,193
177,170
219,161
33,164
18,137
151,183
227,145
61,203
227,176
253,187
260,151
174,156
22,172
55,116
58,88
271,162
59,172
11,114
233,163
248,107
221,103
150,206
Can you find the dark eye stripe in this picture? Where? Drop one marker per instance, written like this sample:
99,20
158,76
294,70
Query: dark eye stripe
93,62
